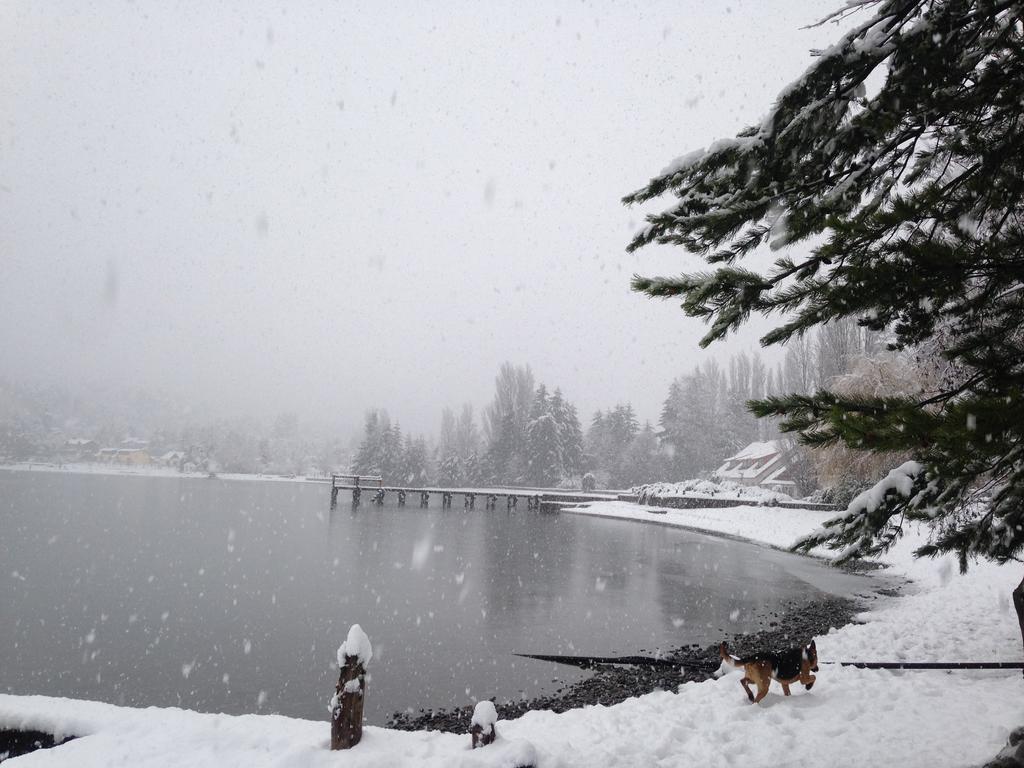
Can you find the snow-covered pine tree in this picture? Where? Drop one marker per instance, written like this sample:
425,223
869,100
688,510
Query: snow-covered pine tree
694,421
543,442
391,453
449,473
467,443
369,458
472,469
448,464
622,426
641,461
545,461
570,434
415,459
595,441
908,187
505,421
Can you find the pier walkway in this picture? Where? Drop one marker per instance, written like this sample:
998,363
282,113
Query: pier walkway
533,498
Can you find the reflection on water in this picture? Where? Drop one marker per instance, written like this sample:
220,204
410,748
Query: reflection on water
233,596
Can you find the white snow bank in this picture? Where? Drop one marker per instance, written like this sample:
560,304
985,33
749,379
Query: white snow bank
150,470
708,490
776,526
356,644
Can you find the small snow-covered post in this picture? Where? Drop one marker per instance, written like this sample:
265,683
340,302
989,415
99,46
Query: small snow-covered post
354,657
482,728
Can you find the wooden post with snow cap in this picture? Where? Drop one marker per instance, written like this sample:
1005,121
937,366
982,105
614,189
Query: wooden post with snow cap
483,730
354,657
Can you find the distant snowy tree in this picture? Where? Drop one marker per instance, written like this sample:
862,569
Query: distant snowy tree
414,471
545,461
838,343
370,456
473,472
543,442
467,439
641,462
501,460
594,440
391,453
570,434
622,426
448,465
505,422
799,372
905,191
449,473
695,421
609,436
607,442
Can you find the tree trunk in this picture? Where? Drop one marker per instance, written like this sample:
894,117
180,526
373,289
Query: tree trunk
347,705
1018,603
482,736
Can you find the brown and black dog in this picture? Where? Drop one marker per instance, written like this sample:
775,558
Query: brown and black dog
794,665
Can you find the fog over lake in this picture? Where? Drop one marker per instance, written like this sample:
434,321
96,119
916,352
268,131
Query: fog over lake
320,208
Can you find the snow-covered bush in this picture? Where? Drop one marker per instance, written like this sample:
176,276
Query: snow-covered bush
708,489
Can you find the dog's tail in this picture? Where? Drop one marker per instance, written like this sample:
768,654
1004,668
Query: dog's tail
723,652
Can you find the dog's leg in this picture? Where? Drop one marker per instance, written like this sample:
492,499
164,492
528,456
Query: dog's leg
745,682
785,687
763,681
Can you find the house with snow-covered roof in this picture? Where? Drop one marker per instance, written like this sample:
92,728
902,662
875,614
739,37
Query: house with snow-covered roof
124,456
172,458
765,465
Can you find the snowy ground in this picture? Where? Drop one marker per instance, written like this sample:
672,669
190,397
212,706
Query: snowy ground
707,489
851,718
144,470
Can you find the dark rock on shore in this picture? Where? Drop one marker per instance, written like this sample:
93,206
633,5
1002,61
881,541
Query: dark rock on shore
14,742
1012,755
798,624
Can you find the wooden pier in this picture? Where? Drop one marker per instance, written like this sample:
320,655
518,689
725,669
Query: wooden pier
491,498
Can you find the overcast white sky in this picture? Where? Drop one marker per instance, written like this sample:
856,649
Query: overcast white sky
326,208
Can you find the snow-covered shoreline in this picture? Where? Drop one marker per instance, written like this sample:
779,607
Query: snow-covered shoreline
851,718
148,470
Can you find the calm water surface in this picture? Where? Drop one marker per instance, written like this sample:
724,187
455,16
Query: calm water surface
233,596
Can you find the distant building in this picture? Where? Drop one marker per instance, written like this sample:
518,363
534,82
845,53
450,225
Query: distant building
124,456
765,465
172,458
79,449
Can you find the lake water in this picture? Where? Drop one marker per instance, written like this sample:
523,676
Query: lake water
233,596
